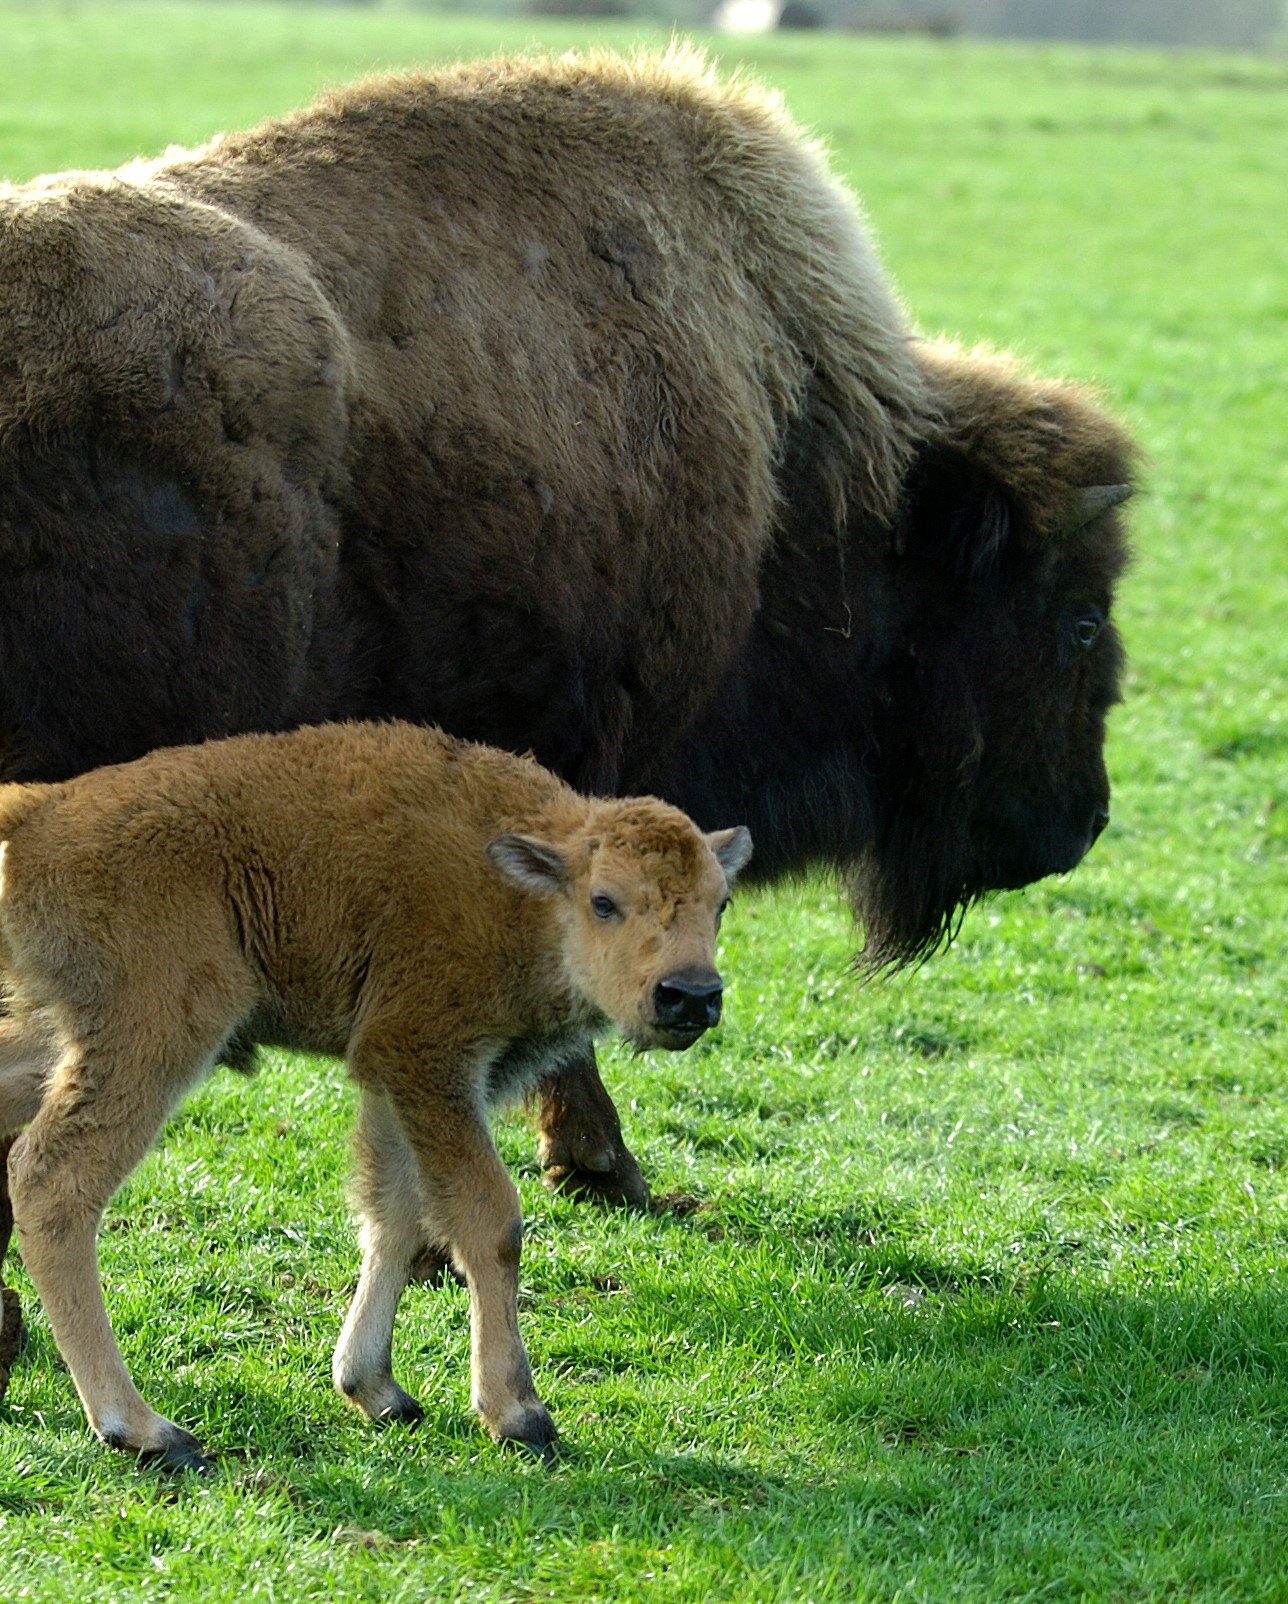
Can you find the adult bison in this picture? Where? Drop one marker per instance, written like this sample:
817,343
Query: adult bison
564,404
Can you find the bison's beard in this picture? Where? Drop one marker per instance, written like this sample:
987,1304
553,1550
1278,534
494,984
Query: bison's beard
909,904
912,885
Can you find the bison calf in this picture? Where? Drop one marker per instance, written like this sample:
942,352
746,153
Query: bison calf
453,920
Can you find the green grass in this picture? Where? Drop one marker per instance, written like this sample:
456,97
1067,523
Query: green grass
981,1299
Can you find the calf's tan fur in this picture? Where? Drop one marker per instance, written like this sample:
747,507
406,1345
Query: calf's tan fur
453,920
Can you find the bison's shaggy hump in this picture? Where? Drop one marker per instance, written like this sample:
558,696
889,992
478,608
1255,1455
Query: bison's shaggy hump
497,341
710,216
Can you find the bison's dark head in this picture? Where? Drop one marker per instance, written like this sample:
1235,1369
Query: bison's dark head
988,728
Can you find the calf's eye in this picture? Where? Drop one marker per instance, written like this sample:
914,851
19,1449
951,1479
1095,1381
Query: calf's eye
1086,628
603,907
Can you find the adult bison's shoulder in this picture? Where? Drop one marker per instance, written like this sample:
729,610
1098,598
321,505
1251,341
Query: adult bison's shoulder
590,300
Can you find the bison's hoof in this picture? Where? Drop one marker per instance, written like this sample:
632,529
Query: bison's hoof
621,1186
403,1411
182,1453
535,1434
384,1402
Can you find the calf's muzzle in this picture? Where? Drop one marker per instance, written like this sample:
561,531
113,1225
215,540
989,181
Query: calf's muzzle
688,1002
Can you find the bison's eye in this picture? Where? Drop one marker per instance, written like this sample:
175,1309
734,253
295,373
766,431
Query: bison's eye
720,911
1085,630
604,907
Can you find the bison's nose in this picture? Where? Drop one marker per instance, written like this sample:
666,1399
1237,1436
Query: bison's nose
689,1002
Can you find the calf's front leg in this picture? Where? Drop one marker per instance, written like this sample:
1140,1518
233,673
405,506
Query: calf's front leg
387,1193
470,1206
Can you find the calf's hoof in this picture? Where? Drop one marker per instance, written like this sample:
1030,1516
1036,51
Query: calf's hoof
175,1460
402,1411
533,1431
383,1402
179,1453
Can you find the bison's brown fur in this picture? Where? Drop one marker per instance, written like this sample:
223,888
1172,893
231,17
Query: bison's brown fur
563,404
452,920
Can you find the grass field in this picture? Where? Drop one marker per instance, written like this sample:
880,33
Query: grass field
983,1296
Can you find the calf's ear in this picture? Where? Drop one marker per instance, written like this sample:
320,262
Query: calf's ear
732,848
529,864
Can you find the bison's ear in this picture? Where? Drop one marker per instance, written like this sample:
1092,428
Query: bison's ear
955,516
531,865
732,848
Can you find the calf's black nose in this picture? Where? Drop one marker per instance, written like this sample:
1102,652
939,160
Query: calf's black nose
688,1001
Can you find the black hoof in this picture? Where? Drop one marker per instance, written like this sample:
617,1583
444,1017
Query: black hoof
177,1457
536,1436
547,1453
406,1412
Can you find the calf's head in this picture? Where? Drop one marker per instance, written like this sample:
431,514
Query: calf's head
640,892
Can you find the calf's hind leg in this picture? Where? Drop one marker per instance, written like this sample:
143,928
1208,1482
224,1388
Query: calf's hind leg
98,1118
29,1049
12,1330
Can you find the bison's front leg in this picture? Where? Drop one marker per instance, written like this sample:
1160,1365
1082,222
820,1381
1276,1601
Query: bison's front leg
62,1171
580,1146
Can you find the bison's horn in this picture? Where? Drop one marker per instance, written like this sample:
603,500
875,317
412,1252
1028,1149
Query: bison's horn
1092,500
